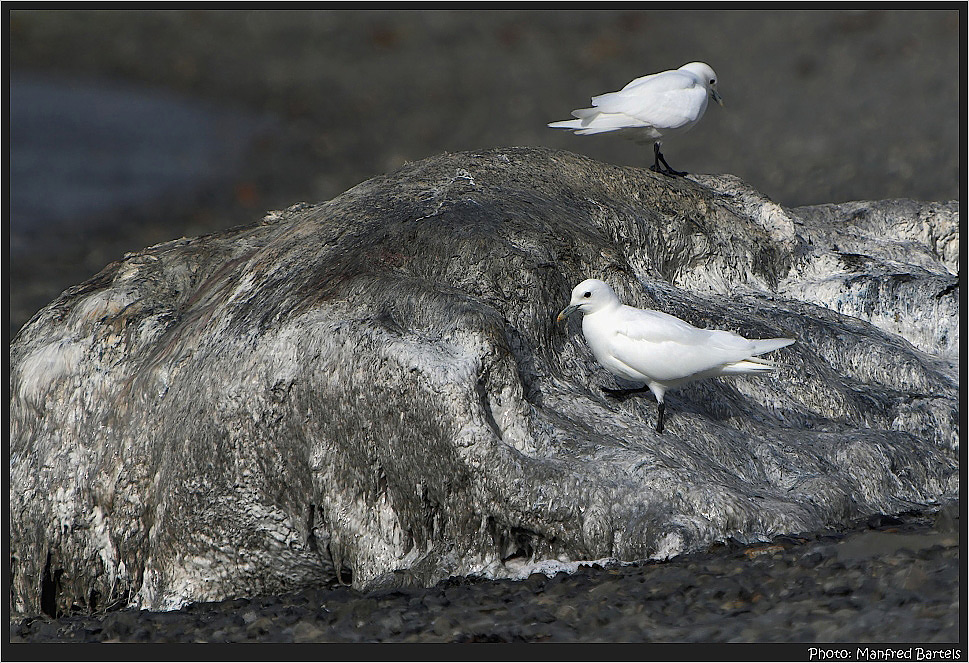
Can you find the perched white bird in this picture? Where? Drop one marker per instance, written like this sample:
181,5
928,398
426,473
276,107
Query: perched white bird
651,108
658,349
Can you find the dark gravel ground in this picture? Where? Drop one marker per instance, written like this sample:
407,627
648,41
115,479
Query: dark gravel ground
885,580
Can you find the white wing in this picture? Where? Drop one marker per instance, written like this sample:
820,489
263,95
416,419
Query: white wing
667,100
667,349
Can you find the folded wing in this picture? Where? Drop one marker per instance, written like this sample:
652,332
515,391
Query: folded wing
668,100
667,349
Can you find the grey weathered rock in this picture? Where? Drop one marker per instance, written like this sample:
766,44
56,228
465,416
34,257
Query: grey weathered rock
376,384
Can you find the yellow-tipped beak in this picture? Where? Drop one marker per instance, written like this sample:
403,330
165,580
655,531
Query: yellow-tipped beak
566,312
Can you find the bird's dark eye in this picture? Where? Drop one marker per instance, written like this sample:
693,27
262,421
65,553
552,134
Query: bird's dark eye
713,81
587,295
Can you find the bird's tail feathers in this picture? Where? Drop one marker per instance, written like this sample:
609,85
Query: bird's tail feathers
755,364
583,113
752,365
594,121
566,124
762,346
596,130
584,117
580,128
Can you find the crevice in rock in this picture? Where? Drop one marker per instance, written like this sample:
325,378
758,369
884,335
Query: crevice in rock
49,588
484,399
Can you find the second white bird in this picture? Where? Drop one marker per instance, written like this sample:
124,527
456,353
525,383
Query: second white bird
657,349
651,108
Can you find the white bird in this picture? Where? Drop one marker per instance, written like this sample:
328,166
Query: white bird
657,349
651,108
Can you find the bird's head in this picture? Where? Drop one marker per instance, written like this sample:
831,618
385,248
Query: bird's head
707,77
589,296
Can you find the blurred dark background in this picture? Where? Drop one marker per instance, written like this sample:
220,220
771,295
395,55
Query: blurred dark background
131,127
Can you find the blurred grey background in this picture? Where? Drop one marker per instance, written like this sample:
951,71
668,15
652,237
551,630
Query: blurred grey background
132,127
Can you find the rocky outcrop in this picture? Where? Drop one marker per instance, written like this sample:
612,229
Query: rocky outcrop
374,388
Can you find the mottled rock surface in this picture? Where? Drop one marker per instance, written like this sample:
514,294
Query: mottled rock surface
374,388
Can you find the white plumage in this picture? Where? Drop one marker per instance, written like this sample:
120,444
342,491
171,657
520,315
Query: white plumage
651,108
657,349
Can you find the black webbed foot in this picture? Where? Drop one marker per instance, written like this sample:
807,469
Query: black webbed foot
665,169
675,173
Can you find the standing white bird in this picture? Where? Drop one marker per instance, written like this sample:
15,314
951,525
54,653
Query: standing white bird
651,108
658,349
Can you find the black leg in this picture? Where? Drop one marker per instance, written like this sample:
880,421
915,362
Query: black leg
668,171
656,168
623,394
